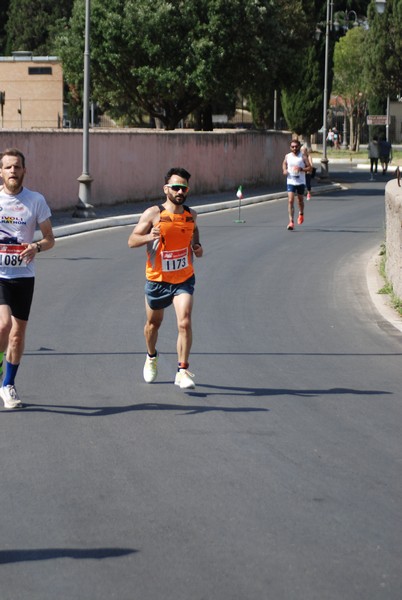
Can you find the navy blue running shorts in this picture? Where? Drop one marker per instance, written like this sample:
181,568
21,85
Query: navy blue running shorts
160,294
296,189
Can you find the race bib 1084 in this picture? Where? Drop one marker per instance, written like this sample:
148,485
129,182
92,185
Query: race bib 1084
10,255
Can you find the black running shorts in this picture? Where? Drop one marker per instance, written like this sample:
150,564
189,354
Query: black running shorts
17,294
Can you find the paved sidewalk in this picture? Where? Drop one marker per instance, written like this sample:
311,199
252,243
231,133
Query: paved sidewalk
64,224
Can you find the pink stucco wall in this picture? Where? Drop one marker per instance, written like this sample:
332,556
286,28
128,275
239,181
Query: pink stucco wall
131,164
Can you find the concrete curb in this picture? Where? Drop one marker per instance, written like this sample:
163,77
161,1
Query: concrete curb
381,301
123,220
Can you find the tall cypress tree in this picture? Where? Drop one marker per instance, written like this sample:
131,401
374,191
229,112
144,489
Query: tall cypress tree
302,103
31,23
302,97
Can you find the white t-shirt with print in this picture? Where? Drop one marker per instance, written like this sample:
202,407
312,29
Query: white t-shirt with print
19,217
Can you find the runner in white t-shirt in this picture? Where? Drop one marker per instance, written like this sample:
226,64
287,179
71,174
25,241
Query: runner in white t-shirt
21,210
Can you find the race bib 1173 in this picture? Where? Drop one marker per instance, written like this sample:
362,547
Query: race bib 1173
174,260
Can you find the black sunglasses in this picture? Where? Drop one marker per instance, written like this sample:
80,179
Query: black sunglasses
178,187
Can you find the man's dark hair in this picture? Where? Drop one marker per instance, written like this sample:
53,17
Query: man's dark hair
177,171
12,152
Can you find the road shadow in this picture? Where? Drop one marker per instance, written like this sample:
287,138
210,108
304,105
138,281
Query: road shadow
106,411
308,393
17,556
203,391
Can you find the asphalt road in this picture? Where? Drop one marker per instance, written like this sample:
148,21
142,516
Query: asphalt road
278,477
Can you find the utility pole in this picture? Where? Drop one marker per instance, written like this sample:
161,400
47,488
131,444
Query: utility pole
84,208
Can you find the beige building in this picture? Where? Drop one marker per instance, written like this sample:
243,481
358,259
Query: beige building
33,91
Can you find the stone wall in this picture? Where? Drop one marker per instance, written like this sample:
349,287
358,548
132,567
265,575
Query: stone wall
393,218
130,164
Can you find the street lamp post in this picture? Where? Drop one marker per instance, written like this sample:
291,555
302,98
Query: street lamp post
84,208
346,19
345,26
324,160
388,119
380,6
328,25
275,109
345,128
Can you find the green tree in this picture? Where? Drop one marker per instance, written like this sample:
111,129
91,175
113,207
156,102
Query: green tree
302,102
171,58
302,93
349,79
281,66
383,50
302,97
261,106
31,24
4,7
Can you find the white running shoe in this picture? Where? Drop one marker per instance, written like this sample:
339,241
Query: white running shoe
10,397
184,379
150,369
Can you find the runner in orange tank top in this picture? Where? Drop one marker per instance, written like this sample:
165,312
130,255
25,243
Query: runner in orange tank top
171,235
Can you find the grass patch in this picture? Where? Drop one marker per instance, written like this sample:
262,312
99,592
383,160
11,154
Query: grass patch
387,288
397,304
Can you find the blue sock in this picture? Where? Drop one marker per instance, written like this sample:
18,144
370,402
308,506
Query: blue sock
11,372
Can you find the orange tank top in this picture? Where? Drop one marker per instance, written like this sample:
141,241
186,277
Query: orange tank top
170,258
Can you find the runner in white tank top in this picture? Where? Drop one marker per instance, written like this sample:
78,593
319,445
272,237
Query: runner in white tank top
295,166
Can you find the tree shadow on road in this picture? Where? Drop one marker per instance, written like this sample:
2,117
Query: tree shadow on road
105,411
203,391
23,555
308,393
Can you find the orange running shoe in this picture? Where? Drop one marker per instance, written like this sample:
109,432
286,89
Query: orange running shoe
300,219
291,226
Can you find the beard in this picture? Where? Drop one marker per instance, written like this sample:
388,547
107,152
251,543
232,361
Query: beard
178,200
14,184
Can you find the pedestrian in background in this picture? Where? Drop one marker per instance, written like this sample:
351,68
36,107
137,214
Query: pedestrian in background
21,210
385,152
337,138
309,174
330,138
373,154
171,235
